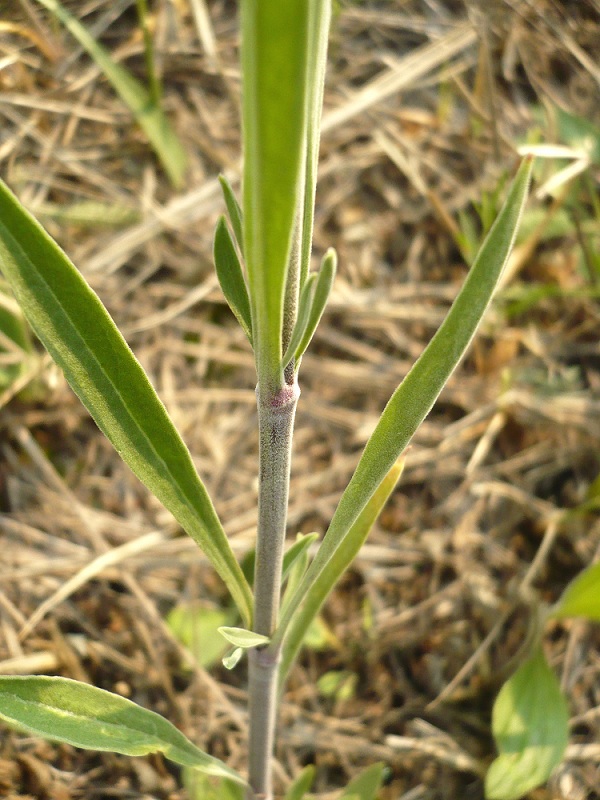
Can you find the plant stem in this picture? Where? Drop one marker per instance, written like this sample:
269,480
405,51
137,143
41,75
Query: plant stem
276,412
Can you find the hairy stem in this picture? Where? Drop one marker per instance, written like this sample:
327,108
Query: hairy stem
276,412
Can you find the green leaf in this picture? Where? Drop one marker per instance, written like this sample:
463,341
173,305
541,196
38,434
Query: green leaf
239,637
304,307
233,659
319,301
274,58
205,787
136,97
366,785
581,598
302,784
197,627
313,300
234,211
334,569
339,684
81,337
414,398
318,34
530,723
64,710
231,276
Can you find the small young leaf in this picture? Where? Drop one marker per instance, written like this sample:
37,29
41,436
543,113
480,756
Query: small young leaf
530,725
304,306
581,598
233,659
77,331
366,785
197,627
243,638
64,710
302,784
231,277
320,297
234,211
149,116
296,551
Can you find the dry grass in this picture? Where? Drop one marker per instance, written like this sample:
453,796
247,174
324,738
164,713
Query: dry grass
426,100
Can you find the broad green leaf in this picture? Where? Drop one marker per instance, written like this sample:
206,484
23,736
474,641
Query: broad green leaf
530,723
204,787
81,337
274,87
320,296
414,398
234,211
64,710
334,569
302,784
231,276
239,637
136,97
366,785
197,627
581,598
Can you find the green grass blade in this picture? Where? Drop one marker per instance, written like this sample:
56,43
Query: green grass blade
136,97
81,337
413,399
366,785
302,784
335,568
234,211
231,277
274,68
64,710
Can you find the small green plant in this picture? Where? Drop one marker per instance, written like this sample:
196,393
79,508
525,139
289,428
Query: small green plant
262,259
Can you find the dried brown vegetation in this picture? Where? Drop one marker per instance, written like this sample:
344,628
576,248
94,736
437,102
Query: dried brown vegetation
425,102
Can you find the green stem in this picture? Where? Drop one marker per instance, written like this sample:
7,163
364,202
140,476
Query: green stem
276,412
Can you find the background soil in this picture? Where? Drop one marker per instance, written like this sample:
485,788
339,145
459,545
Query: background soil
426,102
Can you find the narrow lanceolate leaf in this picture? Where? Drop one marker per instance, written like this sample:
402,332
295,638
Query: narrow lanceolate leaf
530,723
320,296
412,401
234,211
76,329
274,58
239,637
320,14
231,276
581,598
304,306
64,710
335,568
148,115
